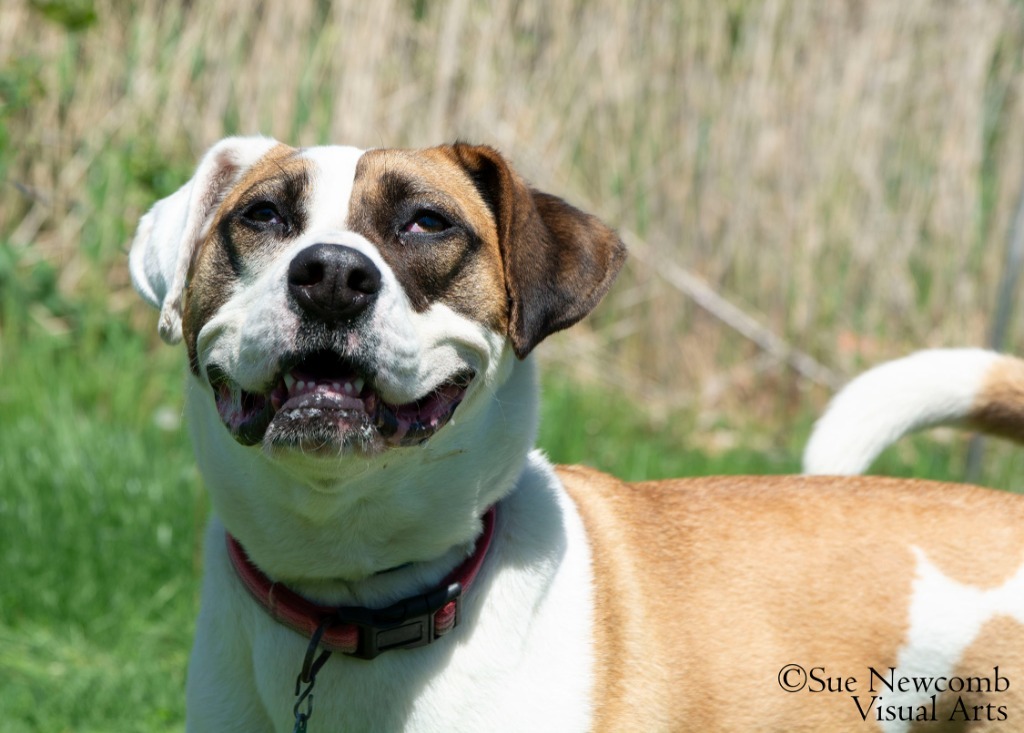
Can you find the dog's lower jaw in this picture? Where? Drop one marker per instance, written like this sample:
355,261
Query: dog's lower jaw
305,517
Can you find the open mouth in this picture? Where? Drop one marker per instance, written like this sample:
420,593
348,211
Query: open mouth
323,401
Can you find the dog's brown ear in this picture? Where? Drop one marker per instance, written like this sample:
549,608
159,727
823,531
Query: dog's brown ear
559,261
169,233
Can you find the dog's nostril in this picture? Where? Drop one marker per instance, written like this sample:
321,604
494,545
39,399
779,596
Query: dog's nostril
306,273
365,281
332,282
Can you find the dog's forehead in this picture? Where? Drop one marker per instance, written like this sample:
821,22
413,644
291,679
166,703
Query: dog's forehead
331,172
429,171
335,178
378,178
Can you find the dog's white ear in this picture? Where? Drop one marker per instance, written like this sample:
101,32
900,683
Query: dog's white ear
169,233
559,261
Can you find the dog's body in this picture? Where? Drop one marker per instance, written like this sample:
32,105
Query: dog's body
358,328
973,388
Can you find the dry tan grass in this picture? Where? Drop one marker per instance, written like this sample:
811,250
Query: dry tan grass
844,171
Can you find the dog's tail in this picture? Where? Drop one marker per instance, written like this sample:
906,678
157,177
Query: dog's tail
974,388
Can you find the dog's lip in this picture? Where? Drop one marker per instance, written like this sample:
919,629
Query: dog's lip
325,386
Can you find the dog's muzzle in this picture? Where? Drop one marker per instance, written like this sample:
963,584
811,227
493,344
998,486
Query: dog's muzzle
322,400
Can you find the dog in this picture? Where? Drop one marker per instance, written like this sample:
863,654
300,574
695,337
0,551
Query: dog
971,388
389,552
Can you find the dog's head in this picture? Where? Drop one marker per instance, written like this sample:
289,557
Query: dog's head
336,300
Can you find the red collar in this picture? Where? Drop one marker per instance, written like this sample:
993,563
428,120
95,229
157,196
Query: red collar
364,632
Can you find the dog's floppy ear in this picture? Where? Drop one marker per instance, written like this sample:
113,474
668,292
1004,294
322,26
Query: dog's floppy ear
559,261
169,232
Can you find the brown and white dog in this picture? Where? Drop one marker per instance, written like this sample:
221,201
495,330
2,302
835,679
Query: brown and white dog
363,405
971,388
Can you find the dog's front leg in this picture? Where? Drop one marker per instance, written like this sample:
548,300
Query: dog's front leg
222,695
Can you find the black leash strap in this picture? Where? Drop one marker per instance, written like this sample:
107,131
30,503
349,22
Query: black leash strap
310,666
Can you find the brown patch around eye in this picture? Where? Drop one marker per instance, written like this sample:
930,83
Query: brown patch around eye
433,229
279,179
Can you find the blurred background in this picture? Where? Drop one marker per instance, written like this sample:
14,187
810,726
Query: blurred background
807,189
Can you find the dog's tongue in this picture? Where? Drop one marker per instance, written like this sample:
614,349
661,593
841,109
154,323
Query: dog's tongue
297,389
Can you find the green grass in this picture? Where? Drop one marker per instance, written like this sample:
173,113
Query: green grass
101,513
583,425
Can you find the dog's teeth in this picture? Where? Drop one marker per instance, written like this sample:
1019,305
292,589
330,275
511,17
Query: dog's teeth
357,385
336,386
348,388
289,382
300,385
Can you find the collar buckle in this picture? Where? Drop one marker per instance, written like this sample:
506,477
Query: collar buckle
410,623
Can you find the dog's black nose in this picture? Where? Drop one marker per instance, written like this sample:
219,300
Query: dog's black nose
332,282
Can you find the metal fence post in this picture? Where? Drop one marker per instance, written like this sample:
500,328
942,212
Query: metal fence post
1005,300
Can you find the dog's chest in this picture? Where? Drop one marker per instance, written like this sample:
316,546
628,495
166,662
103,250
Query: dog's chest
521,658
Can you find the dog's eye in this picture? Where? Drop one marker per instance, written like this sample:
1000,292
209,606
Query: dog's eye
263,213
426,222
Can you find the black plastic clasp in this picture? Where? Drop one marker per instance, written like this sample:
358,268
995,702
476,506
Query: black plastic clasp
405,625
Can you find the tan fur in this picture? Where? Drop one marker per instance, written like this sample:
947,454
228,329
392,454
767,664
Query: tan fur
999,633
999,405
706,588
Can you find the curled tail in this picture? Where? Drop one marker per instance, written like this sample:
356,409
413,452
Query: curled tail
978,389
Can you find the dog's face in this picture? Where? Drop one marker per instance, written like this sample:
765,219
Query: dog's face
345,304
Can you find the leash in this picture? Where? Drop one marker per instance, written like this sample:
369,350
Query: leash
311,664
410,623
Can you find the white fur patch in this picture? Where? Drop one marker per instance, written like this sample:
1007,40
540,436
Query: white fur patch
946,617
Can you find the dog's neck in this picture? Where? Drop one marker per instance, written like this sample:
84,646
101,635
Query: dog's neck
330,541
377,591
